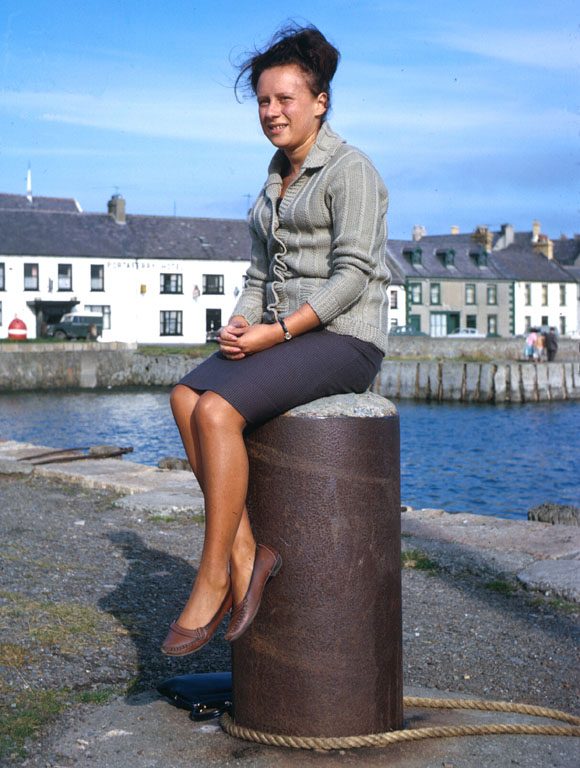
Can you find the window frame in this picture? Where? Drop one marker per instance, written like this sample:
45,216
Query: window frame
562,294
99,279
491,294
492,320
169,317
544,294
393,299
469,286
2,276
105,310
435,294
210,290
35,273
527,295
562,324
65,280
173,285
412,288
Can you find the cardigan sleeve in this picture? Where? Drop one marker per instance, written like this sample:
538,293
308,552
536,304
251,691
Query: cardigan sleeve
358,203
252,301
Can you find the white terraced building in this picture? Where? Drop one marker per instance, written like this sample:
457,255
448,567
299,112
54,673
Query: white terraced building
154,279
161,279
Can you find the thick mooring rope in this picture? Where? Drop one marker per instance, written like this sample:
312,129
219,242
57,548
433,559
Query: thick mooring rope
415,734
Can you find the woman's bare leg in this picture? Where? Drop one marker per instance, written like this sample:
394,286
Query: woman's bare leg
212,434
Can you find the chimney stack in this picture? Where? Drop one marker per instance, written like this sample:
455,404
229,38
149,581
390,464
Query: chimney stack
454,229
507,237
116,209
535,231
418,232
544,246
483,236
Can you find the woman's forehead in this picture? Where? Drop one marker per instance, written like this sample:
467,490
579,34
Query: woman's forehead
283,77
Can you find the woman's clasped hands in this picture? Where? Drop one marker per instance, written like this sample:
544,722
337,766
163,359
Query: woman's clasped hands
237,339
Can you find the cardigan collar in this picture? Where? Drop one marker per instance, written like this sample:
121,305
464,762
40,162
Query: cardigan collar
324,147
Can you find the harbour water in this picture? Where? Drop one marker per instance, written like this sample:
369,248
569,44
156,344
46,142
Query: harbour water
484,459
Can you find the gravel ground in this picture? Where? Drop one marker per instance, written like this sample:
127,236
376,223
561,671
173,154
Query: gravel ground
88,591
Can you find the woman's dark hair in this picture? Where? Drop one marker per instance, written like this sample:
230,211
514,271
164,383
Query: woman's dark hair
292,44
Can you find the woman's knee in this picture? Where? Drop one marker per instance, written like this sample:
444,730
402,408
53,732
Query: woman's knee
214,412
183,401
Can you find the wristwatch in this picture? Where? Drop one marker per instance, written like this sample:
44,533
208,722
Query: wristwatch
287,335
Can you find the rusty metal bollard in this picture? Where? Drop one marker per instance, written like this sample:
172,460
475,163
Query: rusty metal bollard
324,655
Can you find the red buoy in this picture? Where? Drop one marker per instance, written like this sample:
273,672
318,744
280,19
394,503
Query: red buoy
17,329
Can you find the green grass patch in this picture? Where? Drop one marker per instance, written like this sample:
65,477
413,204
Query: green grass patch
420,561
23,718
501,587
192,350
69,626
13,655
556,604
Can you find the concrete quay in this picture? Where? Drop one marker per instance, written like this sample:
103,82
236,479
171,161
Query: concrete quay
539,556
144,730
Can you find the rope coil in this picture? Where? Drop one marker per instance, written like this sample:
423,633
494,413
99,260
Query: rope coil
416,734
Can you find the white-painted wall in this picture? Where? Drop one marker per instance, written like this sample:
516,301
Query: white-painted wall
397,303
135,311
553,309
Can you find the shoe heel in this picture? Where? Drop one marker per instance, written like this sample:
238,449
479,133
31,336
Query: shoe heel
276,568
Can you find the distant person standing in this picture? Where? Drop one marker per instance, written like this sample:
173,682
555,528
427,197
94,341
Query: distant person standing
540,353
531,339
551,344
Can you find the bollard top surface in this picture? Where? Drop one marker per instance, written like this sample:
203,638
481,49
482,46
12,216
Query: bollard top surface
365,406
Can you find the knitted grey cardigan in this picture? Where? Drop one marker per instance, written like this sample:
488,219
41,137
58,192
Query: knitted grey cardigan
323,243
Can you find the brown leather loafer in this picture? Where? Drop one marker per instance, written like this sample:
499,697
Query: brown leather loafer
266,566
181,641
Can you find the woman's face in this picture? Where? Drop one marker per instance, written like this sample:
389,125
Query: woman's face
289,112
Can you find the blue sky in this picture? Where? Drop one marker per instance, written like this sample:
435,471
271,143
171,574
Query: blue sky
469,110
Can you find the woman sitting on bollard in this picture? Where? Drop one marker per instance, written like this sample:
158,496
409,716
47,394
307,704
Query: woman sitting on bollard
311,320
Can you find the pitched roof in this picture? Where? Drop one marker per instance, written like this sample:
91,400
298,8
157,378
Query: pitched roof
22,203
517,262
524,264
95,235
567,252
432,261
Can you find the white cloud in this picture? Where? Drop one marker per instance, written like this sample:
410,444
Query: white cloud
194,117
540,48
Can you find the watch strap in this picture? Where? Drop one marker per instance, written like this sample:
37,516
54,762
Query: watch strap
287,335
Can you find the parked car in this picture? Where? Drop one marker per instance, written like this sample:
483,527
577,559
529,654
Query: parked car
89,325
467,333
406,330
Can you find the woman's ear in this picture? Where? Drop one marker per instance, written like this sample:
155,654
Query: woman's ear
321,104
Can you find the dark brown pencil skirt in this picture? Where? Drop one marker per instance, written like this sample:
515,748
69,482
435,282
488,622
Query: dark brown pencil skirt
317,364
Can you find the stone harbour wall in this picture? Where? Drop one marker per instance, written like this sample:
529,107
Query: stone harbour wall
26,367
498,382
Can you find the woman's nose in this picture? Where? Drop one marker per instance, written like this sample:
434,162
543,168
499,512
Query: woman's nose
273,108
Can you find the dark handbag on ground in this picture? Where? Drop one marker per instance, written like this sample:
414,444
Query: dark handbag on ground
206,695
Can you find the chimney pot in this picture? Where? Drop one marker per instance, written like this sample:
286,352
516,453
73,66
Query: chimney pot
454,229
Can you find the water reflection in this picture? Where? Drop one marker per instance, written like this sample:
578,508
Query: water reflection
498,460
